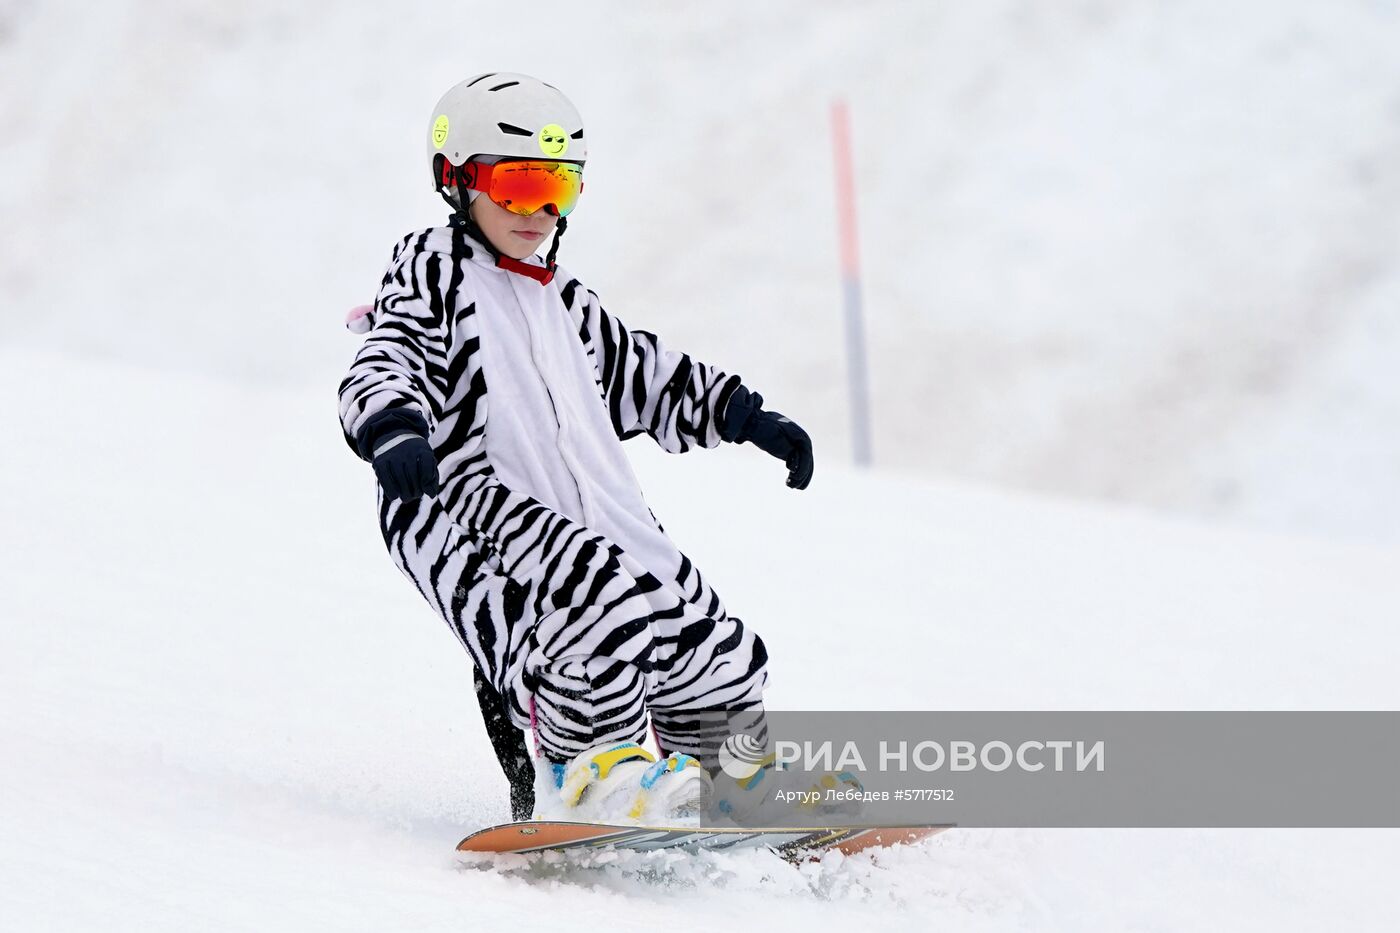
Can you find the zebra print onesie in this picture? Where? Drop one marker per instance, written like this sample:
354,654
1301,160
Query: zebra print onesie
539,551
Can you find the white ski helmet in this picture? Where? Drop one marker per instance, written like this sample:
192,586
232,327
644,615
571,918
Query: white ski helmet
506,115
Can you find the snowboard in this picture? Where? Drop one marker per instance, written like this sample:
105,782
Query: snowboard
554,836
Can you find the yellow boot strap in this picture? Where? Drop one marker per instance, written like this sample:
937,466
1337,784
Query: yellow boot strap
599,767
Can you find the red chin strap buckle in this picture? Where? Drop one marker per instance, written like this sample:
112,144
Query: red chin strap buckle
538,273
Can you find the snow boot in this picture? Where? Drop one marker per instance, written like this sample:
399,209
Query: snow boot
769,796
622,782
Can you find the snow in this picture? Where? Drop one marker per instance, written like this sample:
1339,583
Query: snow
222,708
1131,283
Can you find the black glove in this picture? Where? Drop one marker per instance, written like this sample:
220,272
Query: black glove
395,441
745,420
406,466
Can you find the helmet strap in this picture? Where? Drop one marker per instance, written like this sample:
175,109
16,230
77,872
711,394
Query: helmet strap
554,247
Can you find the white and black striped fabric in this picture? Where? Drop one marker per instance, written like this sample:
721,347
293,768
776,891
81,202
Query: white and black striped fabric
540,552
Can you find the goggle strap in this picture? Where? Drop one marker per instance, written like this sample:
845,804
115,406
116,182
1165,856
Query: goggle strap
474,175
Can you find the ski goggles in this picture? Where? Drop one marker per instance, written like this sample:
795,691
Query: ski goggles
526,185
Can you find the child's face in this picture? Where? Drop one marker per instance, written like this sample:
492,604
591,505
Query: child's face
515,235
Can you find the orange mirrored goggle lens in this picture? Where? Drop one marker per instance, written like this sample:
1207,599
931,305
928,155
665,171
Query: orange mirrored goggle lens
526,186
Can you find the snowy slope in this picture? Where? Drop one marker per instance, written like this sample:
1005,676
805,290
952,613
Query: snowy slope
221,707
1138,251
1128,251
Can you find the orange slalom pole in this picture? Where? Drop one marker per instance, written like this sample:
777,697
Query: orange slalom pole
850,284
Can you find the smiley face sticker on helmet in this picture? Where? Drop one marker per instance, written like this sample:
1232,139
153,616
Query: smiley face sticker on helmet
439,131
554,142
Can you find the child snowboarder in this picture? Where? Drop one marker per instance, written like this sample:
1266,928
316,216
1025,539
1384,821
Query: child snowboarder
491,395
